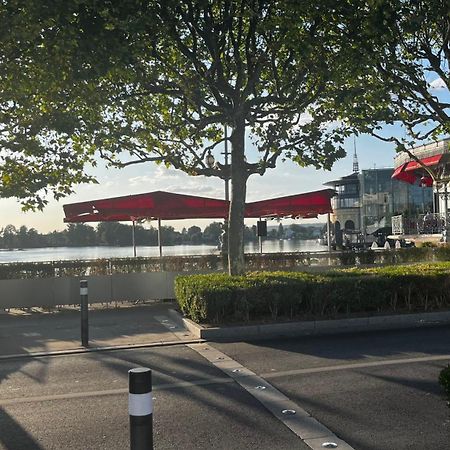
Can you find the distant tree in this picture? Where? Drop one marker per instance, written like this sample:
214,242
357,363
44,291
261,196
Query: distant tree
280,232
250,233
80,235
9,234
114,233
212,232
194,234
56,239
29,238
272,234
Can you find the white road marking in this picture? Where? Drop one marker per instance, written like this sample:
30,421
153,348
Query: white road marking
350,366
299,421
119,391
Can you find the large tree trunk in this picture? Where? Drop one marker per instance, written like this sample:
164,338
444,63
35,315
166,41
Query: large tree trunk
236,264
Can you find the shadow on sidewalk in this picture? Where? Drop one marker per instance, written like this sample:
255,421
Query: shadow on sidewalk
39,331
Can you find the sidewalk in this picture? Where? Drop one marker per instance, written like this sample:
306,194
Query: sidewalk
23,333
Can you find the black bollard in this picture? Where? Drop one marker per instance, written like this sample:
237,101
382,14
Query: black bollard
140,408
84,313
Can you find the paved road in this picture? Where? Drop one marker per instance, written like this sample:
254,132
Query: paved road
375,391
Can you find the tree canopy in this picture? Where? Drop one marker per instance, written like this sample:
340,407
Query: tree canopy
135,81
407,79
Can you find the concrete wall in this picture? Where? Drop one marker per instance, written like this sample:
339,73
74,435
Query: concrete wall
66,290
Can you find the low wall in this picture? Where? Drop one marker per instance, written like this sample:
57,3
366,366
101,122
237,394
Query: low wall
50,292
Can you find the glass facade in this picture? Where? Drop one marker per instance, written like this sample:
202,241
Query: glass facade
378,198
382,197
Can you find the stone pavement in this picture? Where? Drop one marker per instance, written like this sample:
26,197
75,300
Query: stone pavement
36,331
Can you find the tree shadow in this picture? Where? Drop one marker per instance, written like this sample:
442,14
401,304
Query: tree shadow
359,346
13,436
185,369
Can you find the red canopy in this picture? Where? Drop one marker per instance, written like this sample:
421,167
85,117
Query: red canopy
401,175
306,205
169,206
411,171
429,162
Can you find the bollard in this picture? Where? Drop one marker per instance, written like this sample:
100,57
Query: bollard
84,313
140,408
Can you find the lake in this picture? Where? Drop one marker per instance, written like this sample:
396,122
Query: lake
85,253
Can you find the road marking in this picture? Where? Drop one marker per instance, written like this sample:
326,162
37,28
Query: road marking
299,421
227,365
176,328
82,350
350,366
119,391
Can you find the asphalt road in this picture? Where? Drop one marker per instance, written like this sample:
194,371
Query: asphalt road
375,391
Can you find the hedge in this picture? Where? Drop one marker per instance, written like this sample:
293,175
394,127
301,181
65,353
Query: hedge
444,381
220,298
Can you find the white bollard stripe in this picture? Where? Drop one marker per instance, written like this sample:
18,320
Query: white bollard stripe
84,291
140,404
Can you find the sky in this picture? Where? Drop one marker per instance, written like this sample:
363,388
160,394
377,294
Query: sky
286,179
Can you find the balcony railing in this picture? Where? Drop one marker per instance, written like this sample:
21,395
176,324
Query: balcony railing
422,224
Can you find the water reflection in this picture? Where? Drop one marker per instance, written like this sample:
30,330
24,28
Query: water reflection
67,253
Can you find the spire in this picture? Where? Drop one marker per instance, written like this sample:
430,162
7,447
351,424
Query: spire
355,158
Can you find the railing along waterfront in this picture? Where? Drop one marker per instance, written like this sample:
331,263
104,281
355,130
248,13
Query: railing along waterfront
54,284
422,224
182,264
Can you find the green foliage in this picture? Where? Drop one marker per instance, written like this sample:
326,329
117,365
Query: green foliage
347,258
77,268
366,257
444,381
136,81
219,298
109,233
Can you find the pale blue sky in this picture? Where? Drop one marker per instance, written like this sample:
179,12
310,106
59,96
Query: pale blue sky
286,179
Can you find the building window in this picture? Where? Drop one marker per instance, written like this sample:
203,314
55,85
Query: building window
349,225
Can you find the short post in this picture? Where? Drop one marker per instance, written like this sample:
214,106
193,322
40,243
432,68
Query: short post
140,408
84,313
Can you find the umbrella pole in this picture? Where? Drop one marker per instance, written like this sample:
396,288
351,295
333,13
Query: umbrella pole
159,238
133,231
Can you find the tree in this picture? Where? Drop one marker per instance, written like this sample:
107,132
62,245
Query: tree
280,231
212,233
80,235
156,81
407,55
9,236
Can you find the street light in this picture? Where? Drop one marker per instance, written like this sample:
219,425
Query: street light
209,160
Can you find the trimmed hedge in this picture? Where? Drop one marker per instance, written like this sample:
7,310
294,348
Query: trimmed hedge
444,380
219,298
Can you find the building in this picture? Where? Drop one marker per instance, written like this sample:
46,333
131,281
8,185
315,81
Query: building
429,166
367,200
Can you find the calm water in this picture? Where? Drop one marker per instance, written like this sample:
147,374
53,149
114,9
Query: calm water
65,253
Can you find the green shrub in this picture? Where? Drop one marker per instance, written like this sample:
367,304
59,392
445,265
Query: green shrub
366,257
218,298
347,258
444,380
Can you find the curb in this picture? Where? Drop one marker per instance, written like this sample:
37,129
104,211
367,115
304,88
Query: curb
319,327
80,350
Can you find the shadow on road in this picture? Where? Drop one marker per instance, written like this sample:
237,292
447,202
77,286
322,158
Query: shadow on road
358,346
13,436
171,370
